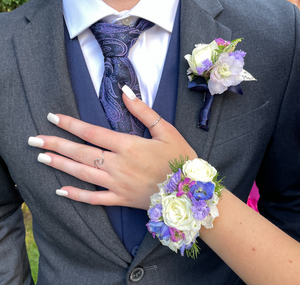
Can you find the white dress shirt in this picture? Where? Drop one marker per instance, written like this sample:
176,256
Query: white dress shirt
147,55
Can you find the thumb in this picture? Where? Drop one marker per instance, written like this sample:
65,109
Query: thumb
143,112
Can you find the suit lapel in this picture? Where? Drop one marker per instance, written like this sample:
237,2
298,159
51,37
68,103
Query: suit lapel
198,25
40,52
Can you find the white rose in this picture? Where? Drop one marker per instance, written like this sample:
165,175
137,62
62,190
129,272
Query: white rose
177,212
199,54
199,170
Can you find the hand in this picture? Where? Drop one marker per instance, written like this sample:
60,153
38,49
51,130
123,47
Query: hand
131,169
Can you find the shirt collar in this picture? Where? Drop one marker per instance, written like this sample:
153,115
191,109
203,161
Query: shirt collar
80,15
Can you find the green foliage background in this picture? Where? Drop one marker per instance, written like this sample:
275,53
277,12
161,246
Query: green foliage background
9,5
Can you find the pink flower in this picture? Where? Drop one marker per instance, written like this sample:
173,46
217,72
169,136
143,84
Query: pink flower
176,235
221,42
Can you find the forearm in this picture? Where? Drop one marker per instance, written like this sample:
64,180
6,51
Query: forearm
254,248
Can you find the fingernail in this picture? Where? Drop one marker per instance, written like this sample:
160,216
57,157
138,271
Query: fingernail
37,142
53,118
128,92
44,158
60,192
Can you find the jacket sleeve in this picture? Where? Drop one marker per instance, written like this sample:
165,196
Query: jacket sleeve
279,176
14,264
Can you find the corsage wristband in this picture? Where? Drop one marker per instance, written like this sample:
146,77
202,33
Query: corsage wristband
186,201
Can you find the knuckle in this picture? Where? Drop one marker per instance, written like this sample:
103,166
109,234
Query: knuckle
84,174
89,133
145,110
81,153
93,199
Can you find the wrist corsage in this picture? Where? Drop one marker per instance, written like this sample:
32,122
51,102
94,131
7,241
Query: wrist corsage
186,201
222,68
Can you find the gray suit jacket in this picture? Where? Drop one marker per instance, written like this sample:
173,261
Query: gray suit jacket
254,136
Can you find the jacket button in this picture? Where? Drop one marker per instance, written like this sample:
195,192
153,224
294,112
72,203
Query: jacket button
134,250
137,274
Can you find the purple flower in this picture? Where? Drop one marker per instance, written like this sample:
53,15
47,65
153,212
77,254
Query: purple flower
184,247
159,228
176,235
200,209
238,54
172,185
184,186
205,65
221,42
155,213
203,190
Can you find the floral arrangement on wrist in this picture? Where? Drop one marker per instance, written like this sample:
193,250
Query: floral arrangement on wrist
222,68
186,201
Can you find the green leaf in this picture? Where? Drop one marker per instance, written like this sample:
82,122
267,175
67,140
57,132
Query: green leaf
175,164
193,251
219,187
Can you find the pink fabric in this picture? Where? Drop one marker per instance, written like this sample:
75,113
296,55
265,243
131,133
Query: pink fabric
253,197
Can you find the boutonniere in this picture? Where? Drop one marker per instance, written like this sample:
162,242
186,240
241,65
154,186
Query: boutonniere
222,68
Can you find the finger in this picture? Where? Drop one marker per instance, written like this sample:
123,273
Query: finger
83,172
144,113
106,198
76,151
96,135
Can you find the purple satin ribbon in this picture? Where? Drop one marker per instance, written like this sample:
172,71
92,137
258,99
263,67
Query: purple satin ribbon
205,111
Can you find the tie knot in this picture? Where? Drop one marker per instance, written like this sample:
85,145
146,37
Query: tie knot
116,40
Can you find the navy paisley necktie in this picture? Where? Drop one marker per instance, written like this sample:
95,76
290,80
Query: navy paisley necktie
115,42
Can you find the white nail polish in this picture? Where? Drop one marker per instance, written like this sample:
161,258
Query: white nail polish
53,118
128,92
44,158
37,142
60,192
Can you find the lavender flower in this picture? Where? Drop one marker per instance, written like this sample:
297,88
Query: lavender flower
205,65
200,209
172,185
155,213
238,54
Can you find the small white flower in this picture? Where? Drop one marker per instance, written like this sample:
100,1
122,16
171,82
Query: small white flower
214,212
227,71
199,170
191,235
155,199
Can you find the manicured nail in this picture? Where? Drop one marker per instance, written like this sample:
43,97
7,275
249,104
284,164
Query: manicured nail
60,192
128,92
53,118
44,158
37,142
